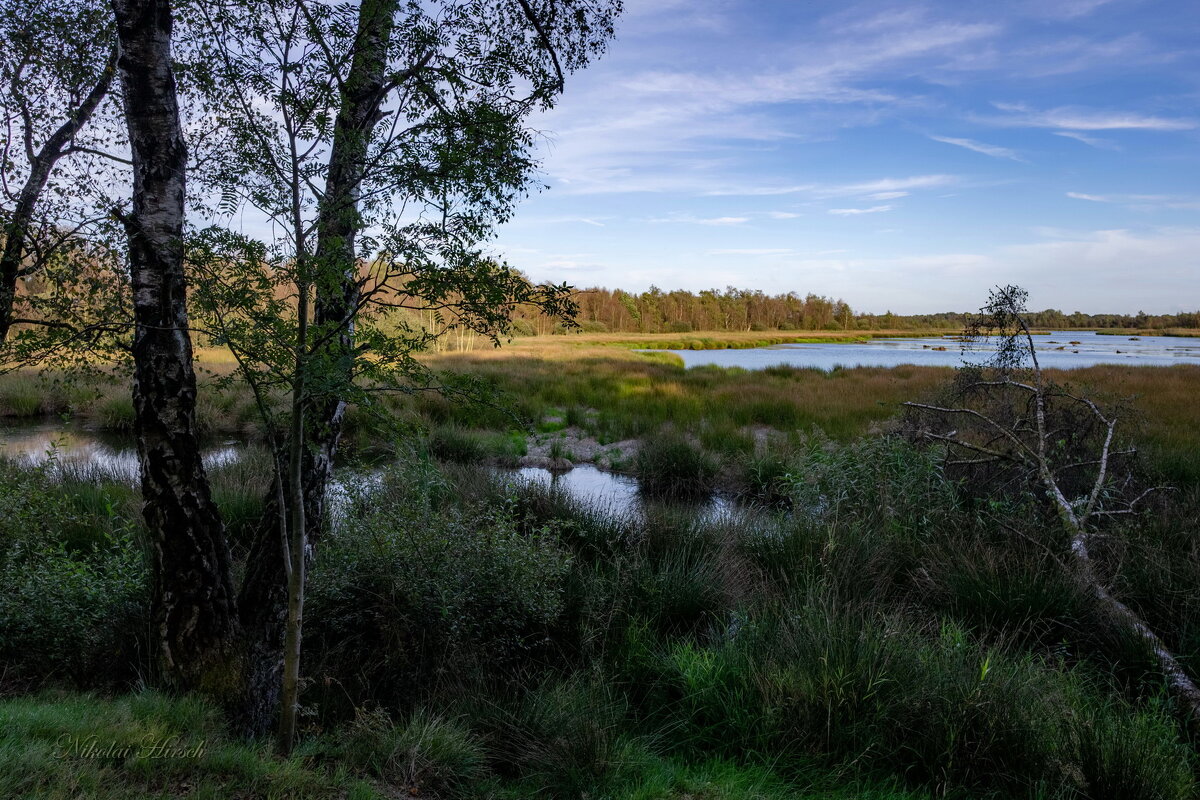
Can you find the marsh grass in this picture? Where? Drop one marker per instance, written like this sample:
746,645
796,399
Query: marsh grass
884,638
239,487
872,630
425,753
472,446
669,465
20,395
37,734
615,393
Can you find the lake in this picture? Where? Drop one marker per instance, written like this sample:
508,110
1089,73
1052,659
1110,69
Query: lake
1060,349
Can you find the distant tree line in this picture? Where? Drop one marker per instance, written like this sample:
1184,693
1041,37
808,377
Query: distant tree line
679,311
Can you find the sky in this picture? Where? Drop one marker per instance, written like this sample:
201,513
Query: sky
901,156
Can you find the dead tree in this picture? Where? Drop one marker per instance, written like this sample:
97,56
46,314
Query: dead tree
1011,428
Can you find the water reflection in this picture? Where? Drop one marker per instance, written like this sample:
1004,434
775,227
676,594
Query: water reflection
69,448
618,495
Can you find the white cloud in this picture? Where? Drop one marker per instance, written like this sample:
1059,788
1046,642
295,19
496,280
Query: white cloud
760,191
762,251
690,220
570,265
894,184
1104,271
1084,119
892,187
1092,141
782,214
1141,201
847,212
1063,9
1110,270
992,150
679,129
534,221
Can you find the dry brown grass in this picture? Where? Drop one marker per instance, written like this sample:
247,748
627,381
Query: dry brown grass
636,393
624,393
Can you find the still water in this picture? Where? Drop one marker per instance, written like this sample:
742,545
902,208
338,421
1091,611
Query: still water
71,447
1061,350
114,457
617,495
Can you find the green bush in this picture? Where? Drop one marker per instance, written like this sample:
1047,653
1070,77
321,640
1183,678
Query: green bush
670,465
73,589
850,688
406,585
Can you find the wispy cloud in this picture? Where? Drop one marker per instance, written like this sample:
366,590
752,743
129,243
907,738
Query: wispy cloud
1092,141
894,185
1141,201
1063,9
752,251
710,129
678,123
593,221
691,220
995,151
1084,119
849,212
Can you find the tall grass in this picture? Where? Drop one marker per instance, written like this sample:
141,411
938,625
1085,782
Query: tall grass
44,742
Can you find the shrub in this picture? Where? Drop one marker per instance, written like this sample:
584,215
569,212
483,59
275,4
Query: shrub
424,754
20,396
521,327
115,412
564,737
462,446
670,465
239,487
73,590
451,443
883,481
406,585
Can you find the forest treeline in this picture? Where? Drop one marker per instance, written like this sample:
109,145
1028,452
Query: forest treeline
680,311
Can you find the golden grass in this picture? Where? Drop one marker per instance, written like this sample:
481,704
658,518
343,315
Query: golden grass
706,340
626,393
636,393
1185,333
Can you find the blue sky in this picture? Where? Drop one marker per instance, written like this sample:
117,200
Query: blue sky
903,156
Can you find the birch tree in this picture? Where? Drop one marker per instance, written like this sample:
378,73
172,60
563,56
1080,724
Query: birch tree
383,141
195,609
58,140
1009,428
